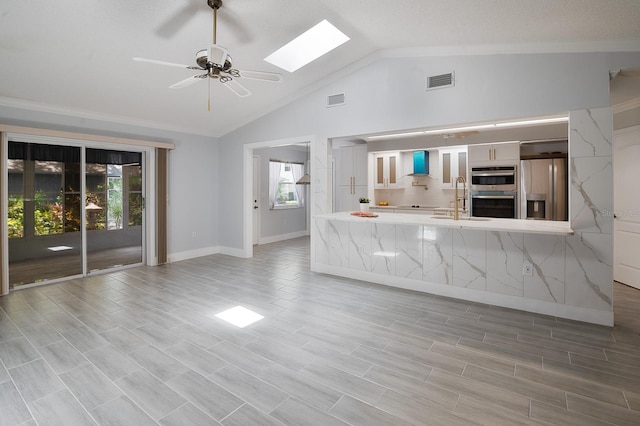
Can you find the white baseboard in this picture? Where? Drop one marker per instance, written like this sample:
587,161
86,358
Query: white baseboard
192,254
282,237
235,252
594,316
207,251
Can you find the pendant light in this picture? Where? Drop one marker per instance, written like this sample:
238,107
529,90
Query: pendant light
305,179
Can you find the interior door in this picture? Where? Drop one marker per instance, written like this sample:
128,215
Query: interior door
626,175
256,198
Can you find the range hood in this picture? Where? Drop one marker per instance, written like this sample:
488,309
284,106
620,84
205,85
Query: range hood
420,163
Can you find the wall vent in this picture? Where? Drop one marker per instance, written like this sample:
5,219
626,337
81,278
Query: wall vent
440,81
335,100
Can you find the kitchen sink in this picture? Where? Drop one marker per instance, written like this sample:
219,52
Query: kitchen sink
473,219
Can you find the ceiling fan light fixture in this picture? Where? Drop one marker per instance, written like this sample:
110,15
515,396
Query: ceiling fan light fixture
307,47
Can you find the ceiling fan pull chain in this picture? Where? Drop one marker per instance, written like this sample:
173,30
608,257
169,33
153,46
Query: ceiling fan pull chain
209,95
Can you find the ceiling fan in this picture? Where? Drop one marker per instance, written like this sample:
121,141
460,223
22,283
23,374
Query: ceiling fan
217,64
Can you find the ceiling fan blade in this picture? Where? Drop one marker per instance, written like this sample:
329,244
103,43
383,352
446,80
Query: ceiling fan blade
168,64
261,75
237,88
179,20
188,81
217,54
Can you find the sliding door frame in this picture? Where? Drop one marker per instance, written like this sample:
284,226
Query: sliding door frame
146,148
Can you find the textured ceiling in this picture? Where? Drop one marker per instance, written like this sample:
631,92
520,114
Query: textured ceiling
74,56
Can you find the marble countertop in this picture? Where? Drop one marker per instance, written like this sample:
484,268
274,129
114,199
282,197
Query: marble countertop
487,224
421,208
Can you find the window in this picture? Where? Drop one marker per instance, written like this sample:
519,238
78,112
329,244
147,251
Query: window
283,191
42,188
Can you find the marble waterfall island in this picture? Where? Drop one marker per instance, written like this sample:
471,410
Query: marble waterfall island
534,266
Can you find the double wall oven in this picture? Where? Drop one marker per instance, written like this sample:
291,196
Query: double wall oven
494,192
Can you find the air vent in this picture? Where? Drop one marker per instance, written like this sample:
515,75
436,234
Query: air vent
440,81
335,100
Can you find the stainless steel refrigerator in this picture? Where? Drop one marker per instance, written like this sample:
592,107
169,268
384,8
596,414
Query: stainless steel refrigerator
543,189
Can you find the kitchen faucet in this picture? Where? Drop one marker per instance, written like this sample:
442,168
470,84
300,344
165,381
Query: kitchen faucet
462,180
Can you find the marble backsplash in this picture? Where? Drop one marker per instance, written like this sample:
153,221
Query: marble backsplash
410,194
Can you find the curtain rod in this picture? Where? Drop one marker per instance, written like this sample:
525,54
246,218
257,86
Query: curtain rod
286,162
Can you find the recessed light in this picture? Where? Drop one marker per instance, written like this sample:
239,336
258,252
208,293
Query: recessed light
307,47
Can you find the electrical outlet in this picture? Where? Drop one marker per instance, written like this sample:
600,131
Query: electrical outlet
527,269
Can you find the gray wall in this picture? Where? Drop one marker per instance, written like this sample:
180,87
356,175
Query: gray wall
389,95
193,174
206,193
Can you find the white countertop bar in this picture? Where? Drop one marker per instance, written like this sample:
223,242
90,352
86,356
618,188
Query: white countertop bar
486,224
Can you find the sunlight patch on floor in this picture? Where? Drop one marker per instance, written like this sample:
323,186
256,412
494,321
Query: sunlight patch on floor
239,316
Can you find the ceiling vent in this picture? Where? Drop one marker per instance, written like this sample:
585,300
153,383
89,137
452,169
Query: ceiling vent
440,81
335,100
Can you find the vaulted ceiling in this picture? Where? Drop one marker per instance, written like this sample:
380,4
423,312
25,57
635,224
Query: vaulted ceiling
75,56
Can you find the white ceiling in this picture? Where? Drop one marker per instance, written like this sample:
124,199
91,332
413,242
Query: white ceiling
74,56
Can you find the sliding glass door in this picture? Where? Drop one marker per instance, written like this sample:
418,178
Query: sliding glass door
72,211
113,210
44,193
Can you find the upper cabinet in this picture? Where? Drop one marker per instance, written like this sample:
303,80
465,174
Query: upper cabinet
453,163
494,153
387,170
352,165
351,177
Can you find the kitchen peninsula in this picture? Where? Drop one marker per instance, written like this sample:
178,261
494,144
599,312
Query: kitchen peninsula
503,262
566,272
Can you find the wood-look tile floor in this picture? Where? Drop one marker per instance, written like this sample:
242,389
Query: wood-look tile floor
143,346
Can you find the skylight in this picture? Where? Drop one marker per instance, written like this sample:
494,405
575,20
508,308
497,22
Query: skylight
307,47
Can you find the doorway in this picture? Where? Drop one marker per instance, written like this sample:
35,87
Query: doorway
626,175
251,181
72,211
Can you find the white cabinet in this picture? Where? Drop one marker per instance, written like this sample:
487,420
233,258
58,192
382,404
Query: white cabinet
387,170
352,165
351,177
495,153
453,163
348,197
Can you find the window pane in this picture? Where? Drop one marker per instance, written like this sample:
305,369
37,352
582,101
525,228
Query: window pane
15,217
114,198
48,208
96,211
71,212
47,217
282,184
114,214
135,209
